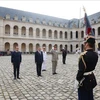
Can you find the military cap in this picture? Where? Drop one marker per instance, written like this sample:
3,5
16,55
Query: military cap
90,40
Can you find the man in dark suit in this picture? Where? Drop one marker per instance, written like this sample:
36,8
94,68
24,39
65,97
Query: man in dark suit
38,61
64,54
16,59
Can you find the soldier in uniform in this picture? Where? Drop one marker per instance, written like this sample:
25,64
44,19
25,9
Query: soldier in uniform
86,67
54,59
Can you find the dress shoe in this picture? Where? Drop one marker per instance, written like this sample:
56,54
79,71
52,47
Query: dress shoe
43,70
54,73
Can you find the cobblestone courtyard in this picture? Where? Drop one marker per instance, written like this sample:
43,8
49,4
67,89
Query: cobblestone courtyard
48,87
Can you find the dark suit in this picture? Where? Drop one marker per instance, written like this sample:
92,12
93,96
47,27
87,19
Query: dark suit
16,60
64,53
38,61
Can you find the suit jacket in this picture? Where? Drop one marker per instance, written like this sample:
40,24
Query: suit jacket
64,53
38,57
16,57
54,55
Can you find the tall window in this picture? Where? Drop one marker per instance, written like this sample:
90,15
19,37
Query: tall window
98,30
76,34
71,35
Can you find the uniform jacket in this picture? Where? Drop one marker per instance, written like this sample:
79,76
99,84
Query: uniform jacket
91,58
54,55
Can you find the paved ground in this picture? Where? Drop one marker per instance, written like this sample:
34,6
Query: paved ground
48,87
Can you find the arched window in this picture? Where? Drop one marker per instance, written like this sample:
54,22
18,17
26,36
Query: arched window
71,48
23,31
82,34
30,47
7,46
50,33
15,30
44,33
71,35
44,45
7,29
55,34
23,47
50,47
30,31
61,47
82,47
93,31
98,30
76,34
66,47
61,34
37,32
14,45
37,45
65,35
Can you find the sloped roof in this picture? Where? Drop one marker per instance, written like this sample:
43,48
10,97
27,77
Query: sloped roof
70,23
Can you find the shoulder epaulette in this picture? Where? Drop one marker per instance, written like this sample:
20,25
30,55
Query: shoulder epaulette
83,53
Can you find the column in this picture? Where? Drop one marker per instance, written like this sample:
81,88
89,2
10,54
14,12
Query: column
2,44
11,47
52,35
27,32
11,31
19,45
63,35
40,34
46,34
27,47
58,34
34,33
19,32
74,35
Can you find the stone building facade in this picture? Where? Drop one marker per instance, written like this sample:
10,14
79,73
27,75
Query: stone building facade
30,30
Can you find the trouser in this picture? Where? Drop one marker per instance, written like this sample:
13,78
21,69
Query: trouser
38,69
84,94
16,68
64,59
54,65
44,65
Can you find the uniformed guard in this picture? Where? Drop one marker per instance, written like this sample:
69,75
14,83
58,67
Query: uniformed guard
87,63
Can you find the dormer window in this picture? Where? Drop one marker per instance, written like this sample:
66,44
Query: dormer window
23,18
65,25
44,22
30,19
7,16
50,23
16,17
61,25
99,19
55,24
37,21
